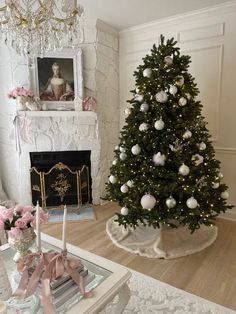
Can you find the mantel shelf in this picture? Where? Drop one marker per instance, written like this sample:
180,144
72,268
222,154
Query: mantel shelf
58,113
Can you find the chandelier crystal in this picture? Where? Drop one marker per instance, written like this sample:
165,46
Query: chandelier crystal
34,27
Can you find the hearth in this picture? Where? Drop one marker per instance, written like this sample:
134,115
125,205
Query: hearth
62,177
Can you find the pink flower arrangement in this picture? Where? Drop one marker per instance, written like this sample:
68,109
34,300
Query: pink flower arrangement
16,219
20,91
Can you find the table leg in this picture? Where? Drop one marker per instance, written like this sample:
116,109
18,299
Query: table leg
124,296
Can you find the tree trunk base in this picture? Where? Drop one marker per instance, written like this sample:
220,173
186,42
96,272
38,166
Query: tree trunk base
164,243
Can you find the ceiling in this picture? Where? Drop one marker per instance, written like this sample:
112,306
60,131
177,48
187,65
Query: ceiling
126,13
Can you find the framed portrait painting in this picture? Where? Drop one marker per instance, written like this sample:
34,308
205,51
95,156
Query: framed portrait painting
57,80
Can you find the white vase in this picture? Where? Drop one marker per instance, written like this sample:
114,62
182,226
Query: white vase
20,102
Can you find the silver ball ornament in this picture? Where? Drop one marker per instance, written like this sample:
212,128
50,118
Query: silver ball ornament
123,156
191,202
144,107
122,149
184,170
224,195
202,146
168,60
187,134
161,97
124,188
215,185
159,124
112,179
182,101
136,149
173,90
148,201
147,72
124,211
114,162
170,202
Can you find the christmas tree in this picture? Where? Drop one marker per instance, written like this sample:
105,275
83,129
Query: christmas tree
165,171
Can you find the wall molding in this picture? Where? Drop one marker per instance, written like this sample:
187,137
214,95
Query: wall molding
223,8
225,150
230,214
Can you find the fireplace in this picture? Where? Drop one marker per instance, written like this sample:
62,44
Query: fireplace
61,177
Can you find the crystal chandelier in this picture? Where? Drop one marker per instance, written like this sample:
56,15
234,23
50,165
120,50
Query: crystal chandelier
34,27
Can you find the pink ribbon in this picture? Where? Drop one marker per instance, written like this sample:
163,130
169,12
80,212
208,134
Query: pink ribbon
58,266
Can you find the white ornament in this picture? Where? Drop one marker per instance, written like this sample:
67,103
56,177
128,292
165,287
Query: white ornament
182,101
143,127
170,202
136,149
122,149
147,72
187,134
123,156
168,60
124,188
191,202
161,97
148,201
112,179
114,162
138,98
159,124
124,211
202,146
179,80
173,89
159,159
188,96
117,147
137,90
224,195
198,159
144,107
220,175
130,183
215,185
127,112
184,170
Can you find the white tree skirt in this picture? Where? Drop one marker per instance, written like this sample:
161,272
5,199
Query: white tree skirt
165,242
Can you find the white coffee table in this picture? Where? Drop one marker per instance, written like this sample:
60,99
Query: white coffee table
110,278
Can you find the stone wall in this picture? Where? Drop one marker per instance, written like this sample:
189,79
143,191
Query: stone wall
96,132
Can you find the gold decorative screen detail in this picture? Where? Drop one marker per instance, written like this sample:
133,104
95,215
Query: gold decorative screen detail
61,183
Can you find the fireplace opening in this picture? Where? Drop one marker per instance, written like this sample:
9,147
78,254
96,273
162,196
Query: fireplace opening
59,178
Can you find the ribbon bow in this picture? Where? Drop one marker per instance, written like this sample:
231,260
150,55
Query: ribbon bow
57,267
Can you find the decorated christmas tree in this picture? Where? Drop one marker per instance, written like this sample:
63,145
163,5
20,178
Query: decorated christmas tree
165,171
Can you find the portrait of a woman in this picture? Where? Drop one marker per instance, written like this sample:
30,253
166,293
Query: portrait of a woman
56,84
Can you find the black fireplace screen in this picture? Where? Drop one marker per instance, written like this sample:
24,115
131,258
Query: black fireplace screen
60,184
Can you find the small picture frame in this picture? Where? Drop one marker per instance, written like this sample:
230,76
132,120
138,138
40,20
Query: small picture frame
57,80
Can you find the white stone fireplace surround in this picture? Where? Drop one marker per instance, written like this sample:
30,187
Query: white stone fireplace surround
61,131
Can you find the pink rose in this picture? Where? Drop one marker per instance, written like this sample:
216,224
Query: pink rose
20,223
27,217
7,214
14,232
28,209
1,225
18,209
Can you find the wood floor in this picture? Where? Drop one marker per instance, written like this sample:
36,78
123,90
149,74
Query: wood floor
210,274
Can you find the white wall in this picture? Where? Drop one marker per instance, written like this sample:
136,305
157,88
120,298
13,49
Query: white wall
209,37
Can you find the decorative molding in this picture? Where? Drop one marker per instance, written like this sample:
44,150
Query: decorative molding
223,8
230,214
220,66
225,150
198,33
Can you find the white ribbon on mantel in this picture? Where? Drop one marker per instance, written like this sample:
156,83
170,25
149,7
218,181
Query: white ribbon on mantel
21,131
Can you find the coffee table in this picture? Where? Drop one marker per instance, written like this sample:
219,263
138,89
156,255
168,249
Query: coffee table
110,278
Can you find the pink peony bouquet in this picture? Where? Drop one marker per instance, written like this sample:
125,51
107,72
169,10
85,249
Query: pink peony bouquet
16,219
20,91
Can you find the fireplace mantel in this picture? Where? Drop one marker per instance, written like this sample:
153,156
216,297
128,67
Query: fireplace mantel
58,113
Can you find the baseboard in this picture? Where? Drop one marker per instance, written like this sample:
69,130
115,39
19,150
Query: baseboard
230,215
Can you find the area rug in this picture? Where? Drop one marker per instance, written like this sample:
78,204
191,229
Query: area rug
150,296
85,213
165,242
